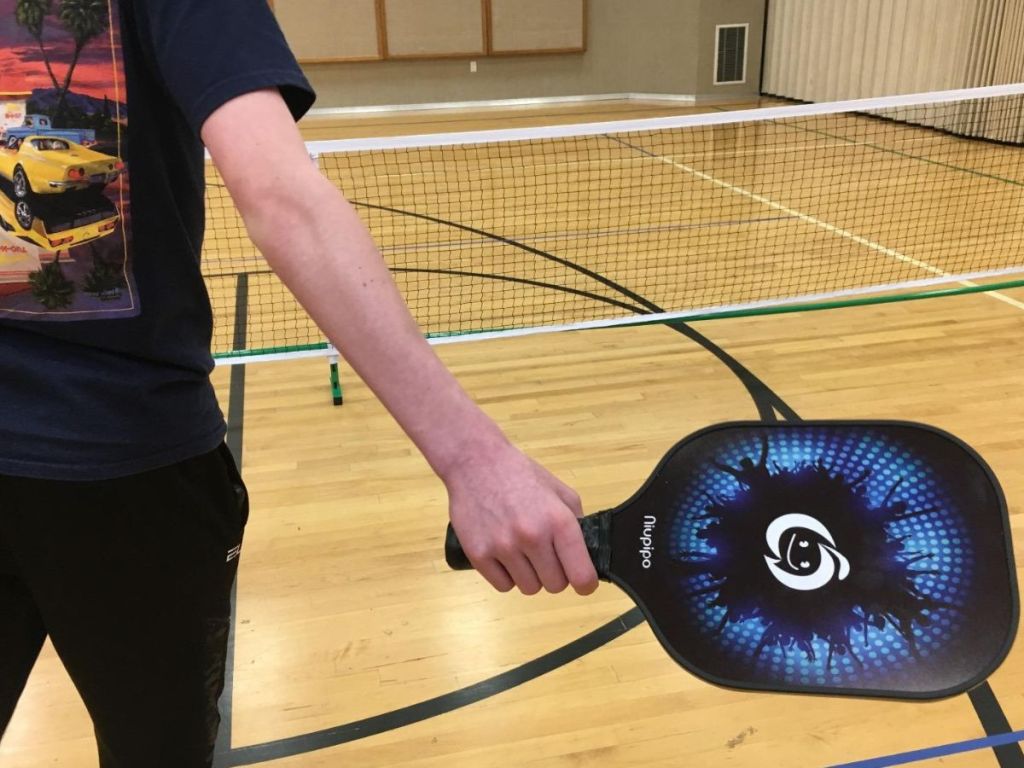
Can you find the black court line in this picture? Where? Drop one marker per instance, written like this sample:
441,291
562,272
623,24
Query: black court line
767,402
524,281
986,705
995,723
225,755
235,421
596,276
440,705
770,407
478,275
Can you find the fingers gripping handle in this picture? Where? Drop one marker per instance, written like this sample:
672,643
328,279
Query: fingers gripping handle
596,534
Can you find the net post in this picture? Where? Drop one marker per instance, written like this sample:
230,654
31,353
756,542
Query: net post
337,395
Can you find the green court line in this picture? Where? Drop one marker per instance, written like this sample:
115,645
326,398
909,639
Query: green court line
842,303
897,152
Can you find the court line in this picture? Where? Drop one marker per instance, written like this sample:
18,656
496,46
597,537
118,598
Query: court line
476,275
235,422
944,750
768,403
770,406
597,276
414,713
525,281
439,705
807,218
879,148
898,153
937,140
994,720
990,713
831,228
227,757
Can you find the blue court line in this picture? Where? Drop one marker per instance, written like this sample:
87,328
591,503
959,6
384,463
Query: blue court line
932,752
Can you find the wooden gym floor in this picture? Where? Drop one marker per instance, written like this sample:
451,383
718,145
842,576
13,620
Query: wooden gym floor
354,645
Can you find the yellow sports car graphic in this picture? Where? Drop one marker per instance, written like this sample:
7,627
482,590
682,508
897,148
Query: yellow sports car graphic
76,220
66,249
48,165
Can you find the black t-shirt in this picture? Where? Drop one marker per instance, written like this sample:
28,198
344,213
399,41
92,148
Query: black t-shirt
105,322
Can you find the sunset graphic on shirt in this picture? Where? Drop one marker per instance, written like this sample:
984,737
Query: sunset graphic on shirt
64,251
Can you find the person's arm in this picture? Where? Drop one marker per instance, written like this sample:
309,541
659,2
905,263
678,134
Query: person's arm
516,521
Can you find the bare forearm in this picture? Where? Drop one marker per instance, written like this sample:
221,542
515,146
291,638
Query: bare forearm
329,261
515,519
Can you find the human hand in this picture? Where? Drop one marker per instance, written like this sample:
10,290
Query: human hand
517,524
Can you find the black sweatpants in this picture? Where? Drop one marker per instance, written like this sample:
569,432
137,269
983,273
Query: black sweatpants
131,579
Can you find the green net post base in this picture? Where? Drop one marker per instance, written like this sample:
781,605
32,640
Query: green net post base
336,391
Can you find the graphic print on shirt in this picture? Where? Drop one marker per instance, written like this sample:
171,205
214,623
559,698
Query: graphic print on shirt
64,203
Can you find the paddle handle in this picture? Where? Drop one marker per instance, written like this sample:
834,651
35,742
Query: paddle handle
596,534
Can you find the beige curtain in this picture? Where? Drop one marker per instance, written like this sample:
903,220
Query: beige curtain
828,50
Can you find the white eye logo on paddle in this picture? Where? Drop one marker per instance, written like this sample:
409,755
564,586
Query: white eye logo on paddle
804,554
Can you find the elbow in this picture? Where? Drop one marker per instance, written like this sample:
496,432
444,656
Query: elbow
283,214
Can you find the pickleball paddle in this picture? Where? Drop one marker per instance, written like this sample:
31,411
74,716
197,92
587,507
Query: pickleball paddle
833,557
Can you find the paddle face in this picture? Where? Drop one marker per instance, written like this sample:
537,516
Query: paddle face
869,559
